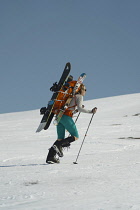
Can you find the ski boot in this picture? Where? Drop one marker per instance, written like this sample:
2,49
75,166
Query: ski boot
58,145
51,158
58,148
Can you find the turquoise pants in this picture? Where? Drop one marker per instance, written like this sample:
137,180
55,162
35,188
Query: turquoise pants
66,123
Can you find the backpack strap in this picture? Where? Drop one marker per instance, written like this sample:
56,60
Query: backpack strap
69,107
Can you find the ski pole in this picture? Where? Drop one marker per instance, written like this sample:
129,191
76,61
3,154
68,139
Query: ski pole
77,117
83,140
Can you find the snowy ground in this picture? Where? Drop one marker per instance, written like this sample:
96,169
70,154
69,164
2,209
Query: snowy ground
107,175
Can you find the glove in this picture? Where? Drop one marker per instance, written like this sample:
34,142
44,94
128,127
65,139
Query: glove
94,110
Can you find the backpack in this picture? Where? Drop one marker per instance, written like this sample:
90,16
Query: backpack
64,93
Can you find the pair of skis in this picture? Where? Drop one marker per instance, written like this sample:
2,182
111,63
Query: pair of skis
48,114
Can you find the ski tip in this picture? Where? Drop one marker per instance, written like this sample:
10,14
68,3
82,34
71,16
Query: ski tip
75,163
83,75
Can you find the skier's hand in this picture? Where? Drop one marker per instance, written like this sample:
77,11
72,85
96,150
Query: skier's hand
94,110
76,110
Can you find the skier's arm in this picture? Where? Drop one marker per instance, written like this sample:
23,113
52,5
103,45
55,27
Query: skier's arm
79,102
76,110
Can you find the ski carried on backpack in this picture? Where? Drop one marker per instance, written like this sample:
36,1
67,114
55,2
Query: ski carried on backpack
47,112
75,89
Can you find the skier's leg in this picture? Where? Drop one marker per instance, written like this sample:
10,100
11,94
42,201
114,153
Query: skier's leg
60,131
52,151
68,124
61,135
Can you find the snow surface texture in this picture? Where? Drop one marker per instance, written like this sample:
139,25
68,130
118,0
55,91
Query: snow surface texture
107,175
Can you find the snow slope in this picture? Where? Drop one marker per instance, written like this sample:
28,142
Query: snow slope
107,175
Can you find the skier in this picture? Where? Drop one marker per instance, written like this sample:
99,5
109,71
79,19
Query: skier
67,123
